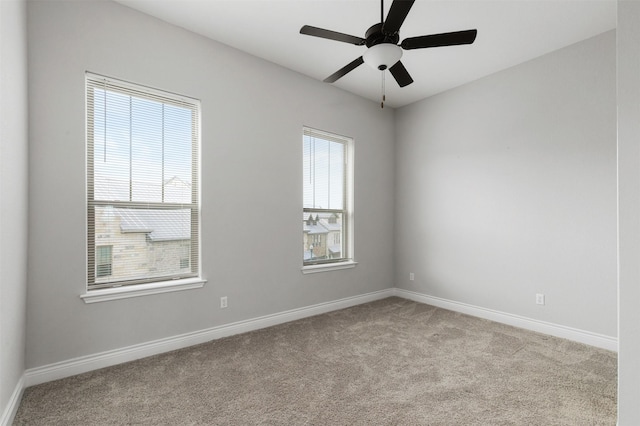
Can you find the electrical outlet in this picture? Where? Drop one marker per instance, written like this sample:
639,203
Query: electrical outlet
411,276
539,299
223,302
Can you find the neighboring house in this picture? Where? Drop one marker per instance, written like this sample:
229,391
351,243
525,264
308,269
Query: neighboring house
322,236
142,239
129,240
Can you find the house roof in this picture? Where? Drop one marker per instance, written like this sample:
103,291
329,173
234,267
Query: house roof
321,226
161,225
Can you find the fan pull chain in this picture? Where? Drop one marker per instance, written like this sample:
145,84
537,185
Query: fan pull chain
383,91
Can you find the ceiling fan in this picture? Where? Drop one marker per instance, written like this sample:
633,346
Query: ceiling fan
383,51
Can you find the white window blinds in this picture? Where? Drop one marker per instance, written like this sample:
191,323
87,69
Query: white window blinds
324,170
142,184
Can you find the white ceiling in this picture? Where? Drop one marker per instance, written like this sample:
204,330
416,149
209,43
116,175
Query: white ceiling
509,32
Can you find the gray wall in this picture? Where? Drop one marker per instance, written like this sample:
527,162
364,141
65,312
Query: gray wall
252,117
13,195
506,187
629,212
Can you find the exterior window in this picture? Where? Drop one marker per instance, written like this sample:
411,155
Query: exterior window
142,184
326,220
103,261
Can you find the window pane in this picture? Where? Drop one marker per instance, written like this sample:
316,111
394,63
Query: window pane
336,175
177,154
146,150
143,149
143,243
323,173
112,145
322,236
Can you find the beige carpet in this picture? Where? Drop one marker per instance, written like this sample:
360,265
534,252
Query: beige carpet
390,362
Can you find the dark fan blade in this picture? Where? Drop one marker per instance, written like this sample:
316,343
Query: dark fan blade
344,70
401,74
331,35
437,40
396,16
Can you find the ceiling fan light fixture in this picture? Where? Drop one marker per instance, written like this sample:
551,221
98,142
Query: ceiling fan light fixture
381,39
382,56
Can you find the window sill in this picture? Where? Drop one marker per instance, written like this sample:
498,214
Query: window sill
125,292
312,269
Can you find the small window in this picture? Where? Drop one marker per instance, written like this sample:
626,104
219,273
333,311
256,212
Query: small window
103,261
327,197
142,184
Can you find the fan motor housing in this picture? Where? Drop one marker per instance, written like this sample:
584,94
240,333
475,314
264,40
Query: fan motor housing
375,35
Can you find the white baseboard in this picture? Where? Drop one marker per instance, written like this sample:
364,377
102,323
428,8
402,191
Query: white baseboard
87,363
12,406
59,370
582,336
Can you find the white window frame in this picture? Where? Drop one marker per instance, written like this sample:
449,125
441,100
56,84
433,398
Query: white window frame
347,260
141,287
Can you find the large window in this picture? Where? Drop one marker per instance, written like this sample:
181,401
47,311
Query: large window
142,184
327,213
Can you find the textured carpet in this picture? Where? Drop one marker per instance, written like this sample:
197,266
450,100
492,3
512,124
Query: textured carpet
390,362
